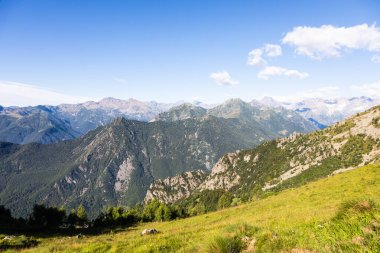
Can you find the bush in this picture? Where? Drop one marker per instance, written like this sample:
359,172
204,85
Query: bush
353,207
226,245
47,217
242,229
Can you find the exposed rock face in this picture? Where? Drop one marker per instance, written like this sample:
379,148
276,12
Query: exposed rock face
123,175
222,175
181,186
173,189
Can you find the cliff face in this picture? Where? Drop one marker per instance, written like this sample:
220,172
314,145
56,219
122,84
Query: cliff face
172,189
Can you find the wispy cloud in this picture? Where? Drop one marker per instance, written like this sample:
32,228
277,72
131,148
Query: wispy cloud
19,94
330,41
223,78
323,92
119,80
376,58
369,89
270,71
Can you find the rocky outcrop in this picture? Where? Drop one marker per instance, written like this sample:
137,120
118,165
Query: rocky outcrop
149,231
223,176
172,189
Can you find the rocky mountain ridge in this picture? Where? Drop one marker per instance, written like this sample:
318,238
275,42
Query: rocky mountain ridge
294,160
47,124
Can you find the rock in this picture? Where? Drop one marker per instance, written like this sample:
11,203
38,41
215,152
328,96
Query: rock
9,237
250,243
246,239
181,186
149,231
80,236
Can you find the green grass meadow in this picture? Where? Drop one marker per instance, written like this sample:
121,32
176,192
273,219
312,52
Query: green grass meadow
335,214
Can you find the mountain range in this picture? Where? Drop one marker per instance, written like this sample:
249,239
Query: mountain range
48,124
325,112
116,163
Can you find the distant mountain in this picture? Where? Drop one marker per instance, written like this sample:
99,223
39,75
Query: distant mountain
325,112
48,124
181,112
89,115
287,162
275,122
34,124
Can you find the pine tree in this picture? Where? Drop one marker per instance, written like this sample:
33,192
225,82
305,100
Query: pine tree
82,215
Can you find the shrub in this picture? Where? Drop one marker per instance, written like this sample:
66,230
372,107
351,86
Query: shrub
226,245
353,207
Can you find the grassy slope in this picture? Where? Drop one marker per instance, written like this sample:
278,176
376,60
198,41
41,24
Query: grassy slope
297,210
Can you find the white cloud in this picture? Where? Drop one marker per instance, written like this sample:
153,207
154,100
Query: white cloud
273,50
270,71
330,41
223,78
370,89
376,58
255,57
19,94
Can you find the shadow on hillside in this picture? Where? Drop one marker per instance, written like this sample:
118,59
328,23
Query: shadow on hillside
77,232
11,239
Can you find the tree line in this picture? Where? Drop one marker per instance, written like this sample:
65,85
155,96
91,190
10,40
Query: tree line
45,218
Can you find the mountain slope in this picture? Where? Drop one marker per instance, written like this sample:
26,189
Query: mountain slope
115,164
33,124
181,112
302,219
277,122
300,158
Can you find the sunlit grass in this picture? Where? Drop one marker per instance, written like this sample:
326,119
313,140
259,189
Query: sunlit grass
291,215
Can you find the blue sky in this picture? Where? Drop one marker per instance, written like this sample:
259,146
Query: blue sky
70,51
